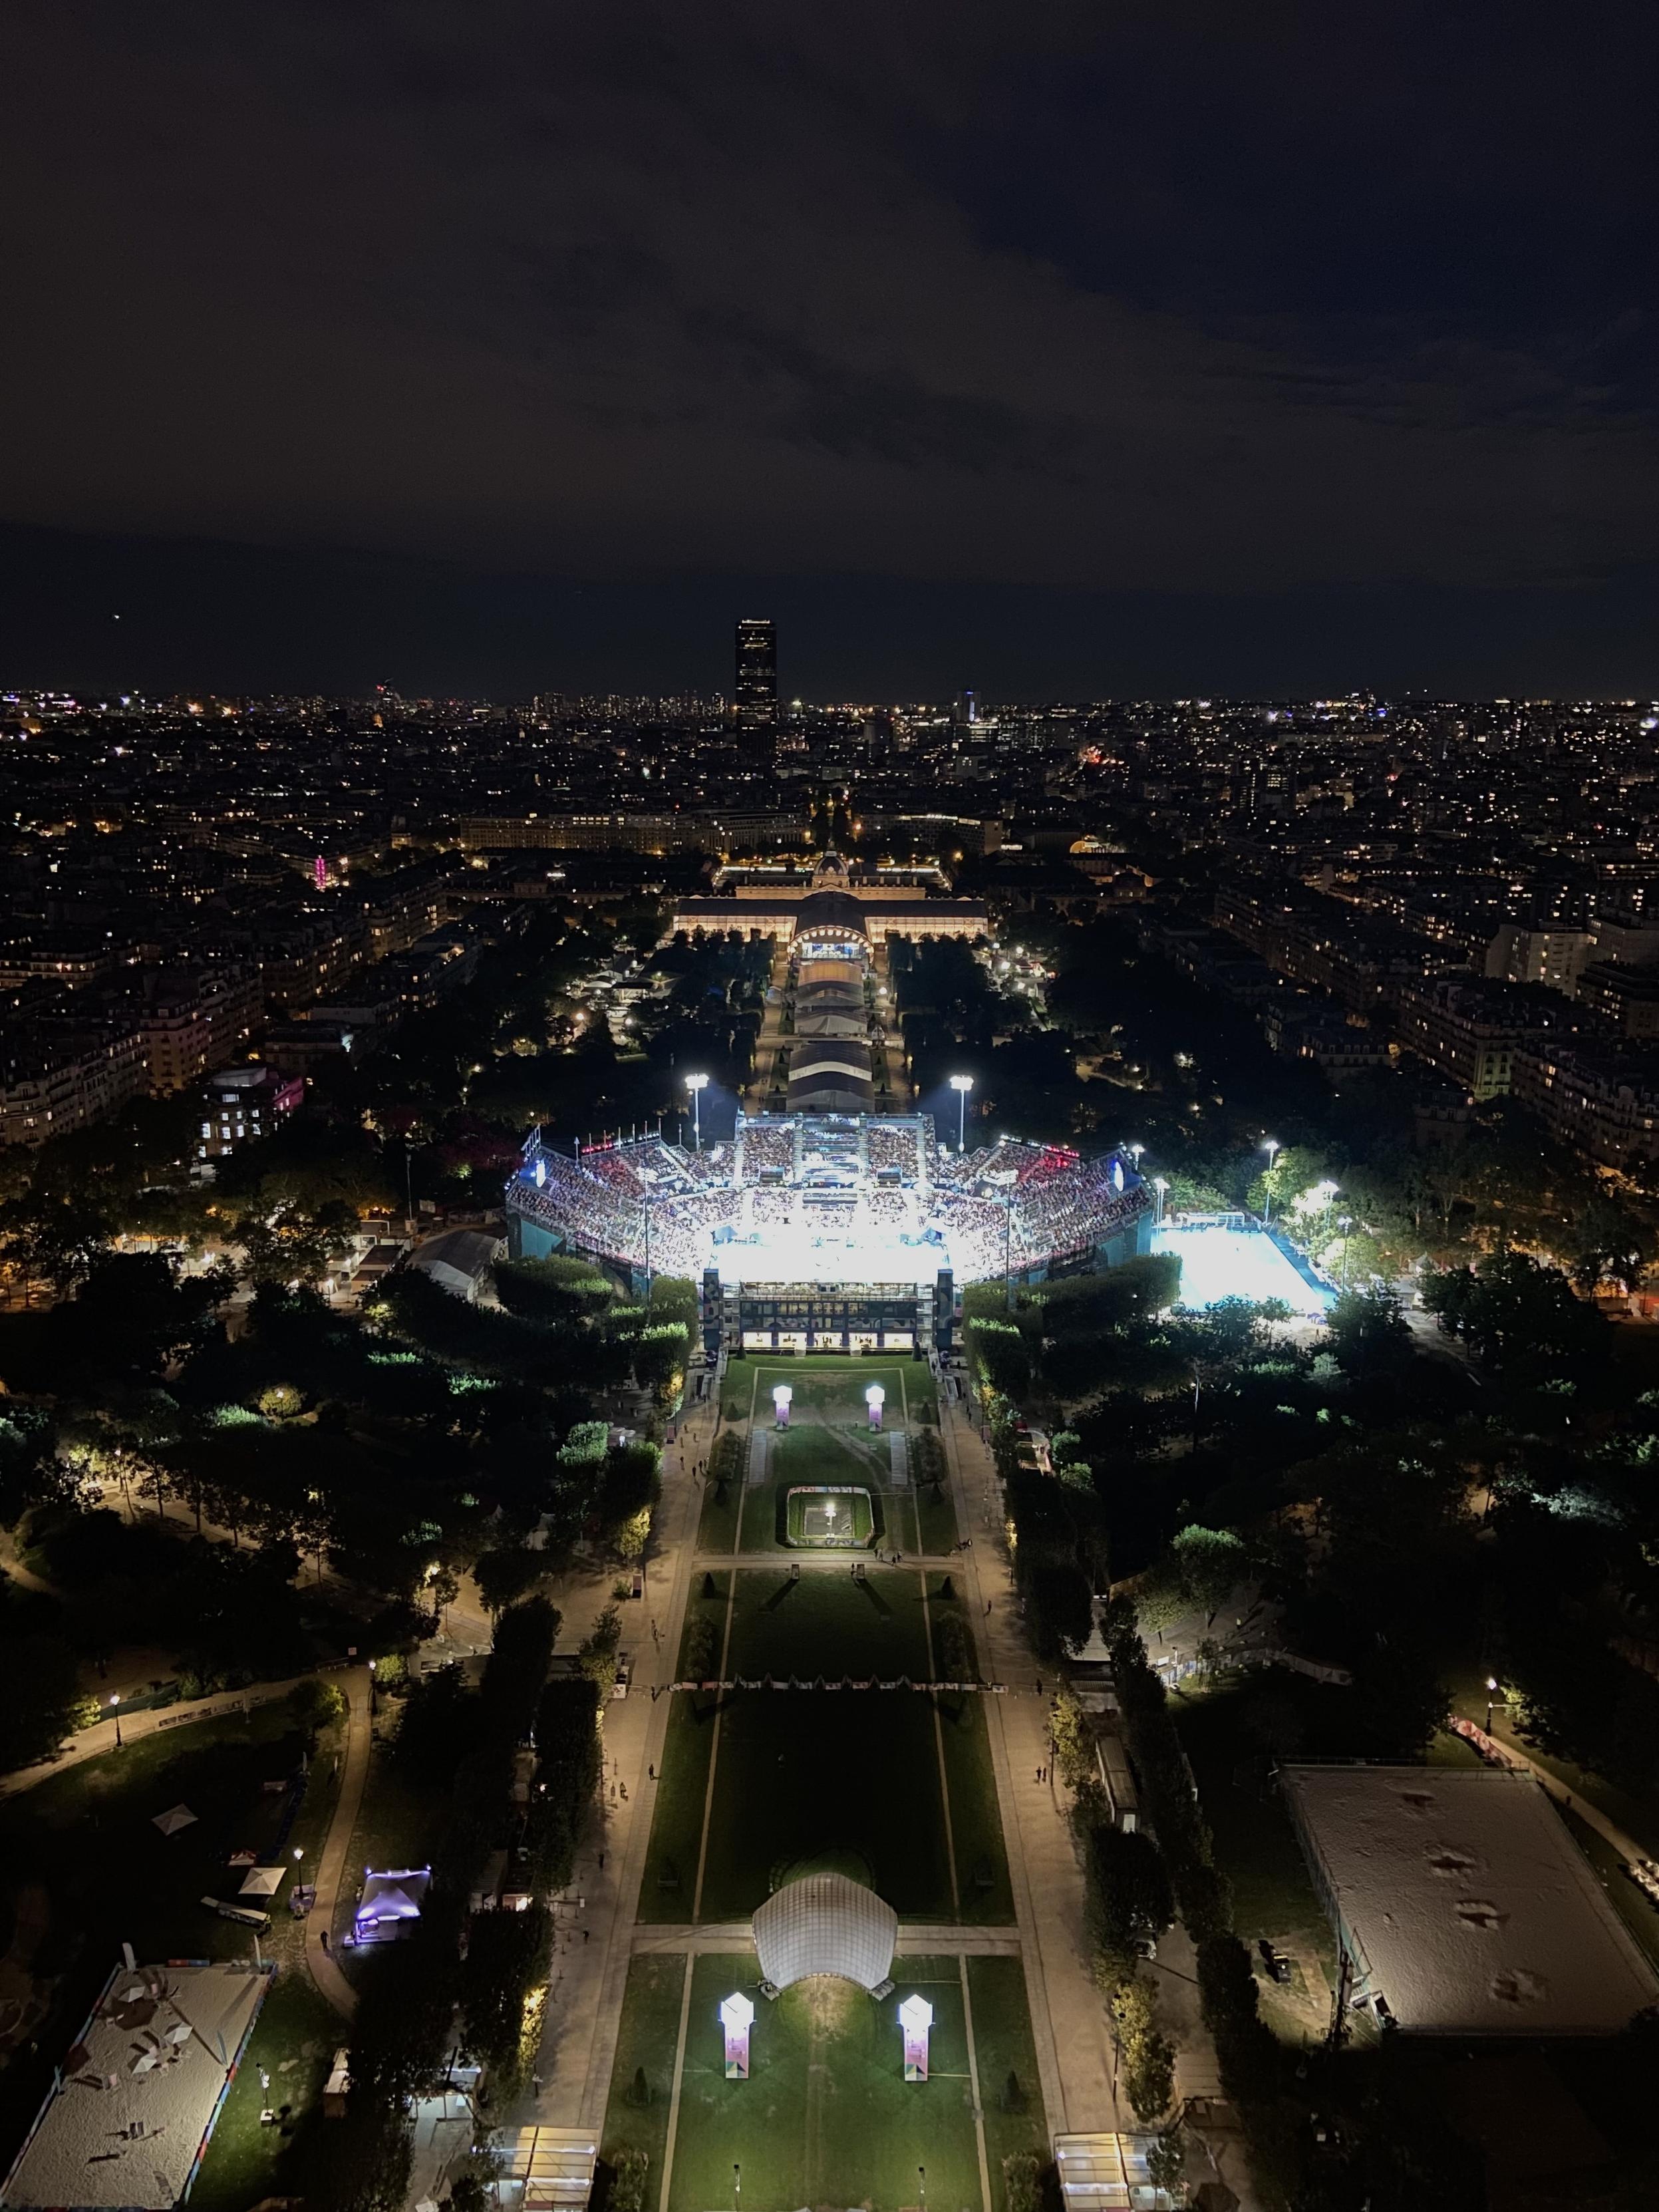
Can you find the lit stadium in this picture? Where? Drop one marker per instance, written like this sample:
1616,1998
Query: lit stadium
832,1218
847,1229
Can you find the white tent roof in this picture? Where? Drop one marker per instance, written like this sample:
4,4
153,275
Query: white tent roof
177,1817
262,1881
825,1924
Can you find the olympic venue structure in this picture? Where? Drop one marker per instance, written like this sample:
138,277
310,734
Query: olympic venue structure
831,1232
833,1219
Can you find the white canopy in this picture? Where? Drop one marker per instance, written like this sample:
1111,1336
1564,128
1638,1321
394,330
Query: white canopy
262,1881
176,1817
825,1924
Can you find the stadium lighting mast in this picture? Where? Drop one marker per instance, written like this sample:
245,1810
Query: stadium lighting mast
962,1085
1160,1185
1270,1145
697,1084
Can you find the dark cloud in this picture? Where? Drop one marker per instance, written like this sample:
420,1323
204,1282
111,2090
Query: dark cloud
1175,298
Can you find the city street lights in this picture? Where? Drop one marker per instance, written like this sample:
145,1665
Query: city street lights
1160,1185
1492,1698
1134,1152
962,1085
1270,1145
697,1084
115,1707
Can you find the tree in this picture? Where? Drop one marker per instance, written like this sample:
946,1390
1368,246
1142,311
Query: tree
1519,1317
1209,1564
1128,1901
42,1692
505,1576
316,1704
1369,1336
1148,2055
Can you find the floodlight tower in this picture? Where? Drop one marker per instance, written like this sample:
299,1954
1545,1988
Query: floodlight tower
962,1085
697,1084
1270,1145
1160,1185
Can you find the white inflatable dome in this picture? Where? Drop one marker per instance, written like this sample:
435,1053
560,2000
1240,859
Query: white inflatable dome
825,1924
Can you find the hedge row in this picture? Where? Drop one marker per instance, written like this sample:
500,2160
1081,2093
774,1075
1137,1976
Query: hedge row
569,1758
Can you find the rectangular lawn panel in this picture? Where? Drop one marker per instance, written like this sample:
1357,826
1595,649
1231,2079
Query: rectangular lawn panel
671,1865
807,1773
647,2037
826,2116
1002,2046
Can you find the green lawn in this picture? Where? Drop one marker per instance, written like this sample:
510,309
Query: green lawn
647,2037
826,2116
294,2041
1255,1846
828,1441
1002,2046
851,1775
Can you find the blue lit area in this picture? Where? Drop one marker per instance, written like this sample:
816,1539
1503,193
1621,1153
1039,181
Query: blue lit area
1219,1260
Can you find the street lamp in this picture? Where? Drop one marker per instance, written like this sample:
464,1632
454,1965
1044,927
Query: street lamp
1492,1698
697,1084
962,1085
1160,1185
1134,1152
1270,1145
115,1707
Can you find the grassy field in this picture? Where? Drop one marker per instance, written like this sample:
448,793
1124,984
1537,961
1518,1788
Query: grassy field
648,2037
1002,2046
811,1774
294,2041
826,2116
829,1440
1255,1846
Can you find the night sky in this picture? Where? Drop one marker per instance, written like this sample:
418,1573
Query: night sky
1061,351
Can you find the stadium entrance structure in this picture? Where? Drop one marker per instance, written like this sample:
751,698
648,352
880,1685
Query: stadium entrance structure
831,1232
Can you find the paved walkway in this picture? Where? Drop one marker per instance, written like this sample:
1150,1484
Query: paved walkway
333,1870
1069,2021
597,1915
92,1742
951,1939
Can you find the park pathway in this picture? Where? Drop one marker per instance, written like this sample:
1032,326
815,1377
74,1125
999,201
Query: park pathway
332,1862
92,1742
597,1914
1068,2022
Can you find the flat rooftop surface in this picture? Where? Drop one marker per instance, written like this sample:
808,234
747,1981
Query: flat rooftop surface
1477,1912
138,2093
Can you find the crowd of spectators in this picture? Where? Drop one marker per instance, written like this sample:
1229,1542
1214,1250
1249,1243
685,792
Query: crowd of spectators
1010,1203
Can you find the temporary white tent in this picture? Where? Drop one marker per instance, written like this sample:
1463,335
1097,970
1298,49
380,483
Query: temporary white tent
825,1924
262,1881
177,1817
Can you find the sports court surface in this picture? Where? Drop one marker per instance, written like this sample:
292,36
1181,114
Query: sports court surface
1217,1262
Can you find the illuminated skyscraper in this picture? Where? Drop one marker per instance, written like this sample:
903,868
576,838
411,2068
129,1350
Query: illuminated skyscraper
756,695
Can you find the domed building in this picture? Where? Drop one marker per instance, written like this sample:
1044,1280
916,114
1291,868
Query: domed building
826,1923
